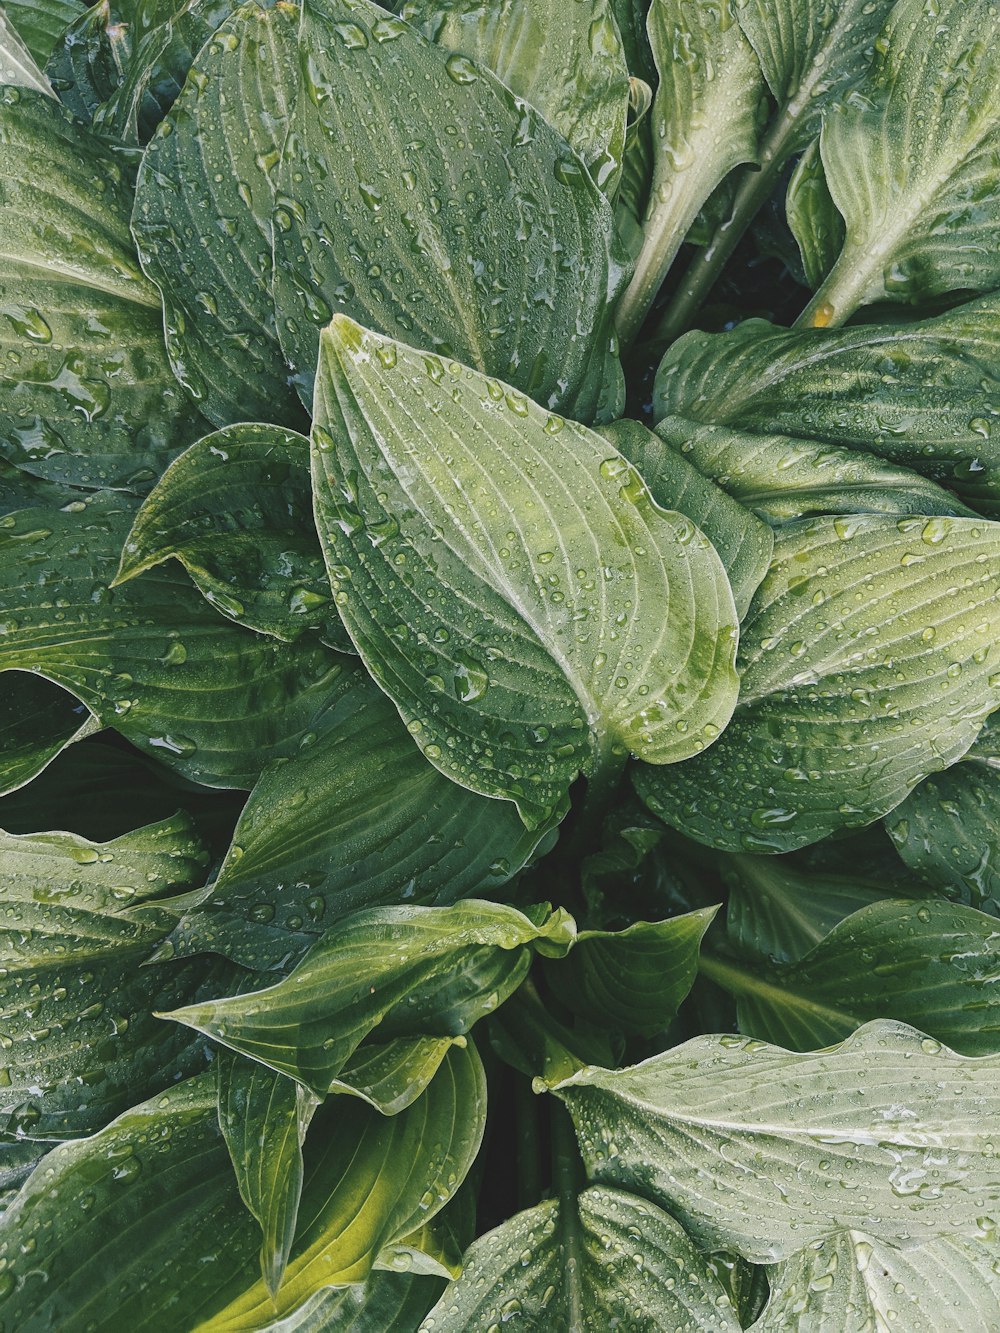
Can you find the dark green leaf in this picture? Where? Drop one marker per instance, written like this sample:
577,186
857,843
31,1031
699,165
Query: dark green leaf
41,22
37,721
869,660
386,1303
236,510
518,648
409,971
813,217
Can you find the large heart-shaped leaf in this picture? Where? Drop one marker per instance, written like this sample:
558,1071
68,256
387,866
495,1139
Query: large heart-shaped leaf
851,1283
704,122
933,965
358,819
364,223
619,1262
738,1139
923,395
869,660
566,60
152,659
911,164
546,615
947,829
409,971
202,218
86,394
236,510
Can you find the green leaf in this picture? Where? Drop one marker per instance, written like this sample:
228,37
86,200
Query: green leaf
704,123
566,60
386,1303
17,65
850,1283
637,169
358,819
264,1117
40,22
90,57
86,394
781,478
621,1262
910,161
869,660
738,1139
947,829
921,395
370,1181
210,161
152,659
409,971
391,1075
780,907
744,544
933,966
236,510
813,217
37,721
631,980
542,323
517,649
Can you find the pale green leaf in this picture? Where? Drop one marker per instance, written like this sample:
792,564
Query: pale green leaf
369,225
41,22
621,1262
236,510
631,980
911,163
933,965
925,395
406,971
357,819
948,829
202,218
738,1139
870,659
744,544
704,123
566,60
37,721
552,616
781,478
152,659
813,217
853,1283
86,394
264,1117
17,65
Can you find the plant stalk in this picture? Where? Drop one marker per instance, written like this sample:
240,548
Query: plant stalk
567,1171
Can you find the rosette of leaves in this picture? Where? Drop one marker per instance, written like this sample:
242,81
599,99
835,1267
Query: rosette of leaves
498,800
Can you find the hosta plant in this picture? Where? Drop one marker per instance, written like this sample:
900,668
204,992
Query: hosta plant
500,622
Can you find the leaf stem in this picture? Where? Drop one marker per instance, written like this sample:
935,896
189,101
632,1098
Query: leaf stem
529,1155
567,1171
839,297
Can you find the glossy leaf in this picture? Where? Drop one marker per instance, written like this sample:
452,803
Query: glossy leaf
153,660
86,394
17,65
37,721
781,478
209,160
704,123
851,1282
566,60
386,1303
90,57
946,830
744,544
542,323
911,164
815,221
518,640
869,660
738,1138
391,1075
631,980
236,510
933,965
40,22
264,1117
922,395
409,971
620,1262
358,819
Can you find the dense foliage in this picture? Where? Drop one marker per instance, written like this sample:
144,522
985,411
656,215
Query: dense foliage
500,613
